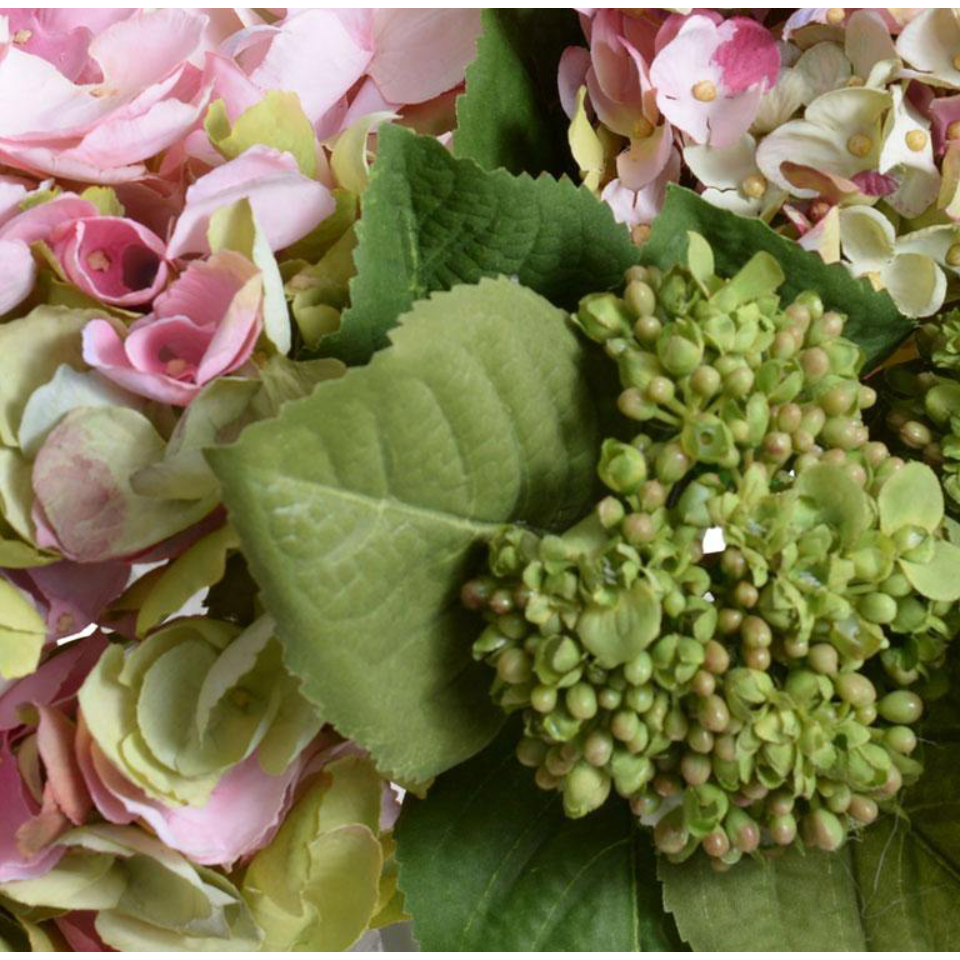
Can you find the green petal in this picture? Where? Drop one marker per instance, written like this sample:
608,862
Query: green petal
918,286
912,496
277,121
940,578
617,634
349,160
867,237
80,881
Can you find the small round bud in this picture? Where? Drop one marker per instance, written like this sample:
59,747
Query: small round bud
900,707
660,390
585,789
543,699
582,701
514,666
901,739
758,658
732,563
755,631
531,752
745,594
863,809
712,713
639,670
500,602
716,843
716,659
742,830
667,785
705,381
855,689
704,683
695,769
823,830
699,739
639,528
545,780
783,829
670,834
640,298
647,330
609,698
824,659
624,725
475,593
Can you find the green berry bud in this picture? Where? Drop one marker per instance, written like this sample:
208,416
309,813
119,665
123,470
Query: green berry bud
716,843
631,772
514,666
585,789
639,670
783,829
855,689
863,809
531,752
742,830
598,748
622,467
901,739
647,330
640,698
900,707
625,724
671,463
640,298
679,355
823,830
582,701
695,769
543,698
603,316
670,835
878,607
660,390
705,381
609,698
713,715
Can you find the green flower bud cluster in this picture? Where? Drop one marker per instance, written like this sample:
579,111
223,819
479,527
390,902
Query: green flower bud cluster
921,414
749,694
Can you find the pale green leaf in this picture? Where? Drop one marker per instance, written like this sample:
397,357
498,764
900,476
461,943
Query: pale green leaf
940,578
23,633
361,509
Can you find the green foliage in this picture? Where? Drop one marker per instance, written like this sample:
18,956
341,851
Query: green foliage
510,114
874,322
360,509
489,862
431,221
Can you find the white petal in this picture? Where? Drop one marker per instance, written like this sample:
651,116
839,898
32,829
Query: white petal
867,237
916,284
823,67
867,42
920,178
723,167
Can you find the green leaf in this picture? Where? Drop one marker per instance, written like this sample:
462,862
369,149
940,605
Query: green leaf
277,121
897,889
874,322
488,861
361,510
510,114
431,221
940,578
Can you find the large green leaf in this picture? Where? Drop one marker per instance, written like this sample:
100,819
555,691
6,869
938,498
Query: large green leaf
431,221
362,507
874,321
510,114
897,889
488,861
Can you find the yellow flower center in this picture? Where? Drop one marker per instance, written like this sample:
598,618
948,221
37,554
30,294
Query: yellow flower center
859,144
640,233
175,367
875,279
956,61
99,261
22,36
642,129
916,140
855,81
836,16
953,255
953,131
705,91
754,186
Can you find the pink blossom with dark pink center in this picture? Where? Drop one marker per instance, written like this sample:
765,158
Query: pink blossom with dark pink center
710,77
204,326
113,259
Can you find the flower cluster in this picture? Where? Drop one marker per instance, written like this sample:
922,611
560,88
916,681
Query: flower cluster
740,637
839,127
177,203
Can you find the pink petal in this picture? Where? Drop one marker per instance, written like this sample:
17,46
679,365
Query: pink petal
79,930
37,223
315,54
748,55
572,72
204,290
287,204
18,273
644,160
57,679
113,259
418,54
55,742
16,809
136,52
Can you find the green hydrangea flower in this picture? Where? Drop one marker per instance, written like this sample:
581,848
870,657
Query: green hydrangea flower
739,638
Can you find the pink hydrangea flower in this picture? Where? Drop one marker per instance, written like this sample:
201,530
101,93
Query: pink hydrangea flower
147,95
204,326
114,259
327,56
710,77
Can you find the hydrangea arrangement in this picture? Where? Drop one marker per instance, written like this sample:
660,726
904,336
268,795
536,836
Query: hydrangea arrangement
478,478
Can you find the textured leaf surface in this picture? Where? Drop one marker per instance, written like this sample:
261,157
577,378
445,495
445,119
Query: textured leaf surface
873,320
896,890
510,115
361,510
431,221
488,861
